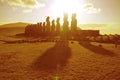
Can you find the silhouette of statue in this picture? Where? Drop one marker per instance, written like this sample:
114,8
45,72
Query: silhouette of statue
73,24
37,29
44,27
48,24
53,26
40,26
58,25
65,26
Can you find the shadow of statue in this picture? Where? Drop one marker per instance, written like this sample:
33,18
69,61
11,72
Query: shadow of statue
96,49
53,57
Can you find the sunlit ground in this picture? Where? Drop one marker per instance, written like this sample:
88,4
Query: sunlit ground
77,61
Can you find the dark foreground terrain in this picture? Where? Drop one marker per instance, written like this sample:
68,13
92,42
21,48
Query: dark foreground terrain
61,60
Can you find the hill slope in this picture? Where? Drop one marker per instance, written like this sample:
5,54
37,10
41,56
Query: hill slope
18,24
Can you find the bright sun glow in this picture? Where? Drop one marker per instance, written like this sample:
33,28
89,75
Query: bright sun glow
66,6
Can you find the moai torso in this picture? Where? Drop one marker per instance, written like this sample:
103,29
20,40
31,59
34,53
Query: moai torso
74,23
58,25
65,27
53,26
44,27
48,24
40,26
66,23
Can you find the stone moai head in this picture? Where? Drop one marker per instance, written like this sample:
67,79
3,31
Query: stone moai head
73,15
58,20
43,23
40,23
65,17
53,21
47,19
37,23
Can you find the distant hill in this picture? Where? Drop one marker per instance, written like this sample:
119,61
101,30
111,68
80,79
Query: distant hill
18,24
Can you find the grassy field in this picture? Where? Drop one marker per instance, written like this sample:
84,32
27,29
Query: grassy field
52,60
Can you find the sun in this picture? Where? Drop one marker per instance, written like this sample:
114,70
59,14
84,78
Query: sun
66,6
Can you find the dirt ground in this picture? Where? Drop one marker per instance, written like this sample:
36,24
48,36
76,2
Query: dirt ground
58,60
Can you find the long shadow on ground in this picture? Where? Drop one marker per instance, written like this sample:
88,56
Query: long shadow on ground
96,49
58,55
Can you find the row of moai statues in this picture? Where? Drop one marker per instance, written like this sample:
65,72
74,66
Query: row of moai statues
43,28
48,28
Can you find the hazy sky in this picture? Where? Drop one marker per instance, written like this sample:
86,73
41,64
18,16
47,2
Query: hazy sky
88,11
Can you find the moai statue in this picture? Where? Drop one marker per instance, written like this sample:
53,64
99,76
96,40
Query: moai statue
37,28
53,26
65,26
41,27
38,25
73,24
48,24
44,27
58,25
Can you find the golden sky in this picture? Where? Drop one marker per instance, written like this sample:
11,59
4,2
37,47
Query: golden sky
32,11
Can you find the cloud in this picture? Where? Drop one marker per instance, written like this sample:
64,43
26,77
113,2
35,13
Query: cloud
90,9
24,3
27,11
88,6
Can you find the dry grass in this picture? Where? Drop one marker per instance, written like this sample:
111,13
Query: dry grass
32,61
